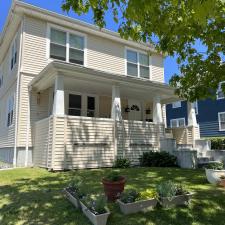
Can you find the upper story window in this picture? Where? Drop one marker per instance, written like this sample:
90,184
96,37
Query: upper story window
221,119
1,78
220,93
137,64
66,46
10,109
176,104
179,122
14,48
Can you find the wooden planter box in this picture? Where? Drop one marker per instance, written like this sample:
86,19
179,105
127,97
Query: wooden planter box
134,207
177,200
95,219
72,199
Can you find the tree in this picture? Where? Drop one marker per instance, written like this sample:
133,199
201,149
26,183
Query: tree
173,27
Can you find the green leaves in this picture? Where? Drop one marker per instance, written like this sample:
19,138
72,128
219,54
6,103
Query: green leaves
178,26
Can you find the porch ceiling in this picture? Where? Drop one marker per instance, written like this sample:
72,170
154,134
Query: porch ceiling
83,79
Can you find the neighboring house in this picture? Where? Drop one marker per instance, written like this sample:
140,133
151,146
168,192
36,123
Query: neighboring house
74,96
210,115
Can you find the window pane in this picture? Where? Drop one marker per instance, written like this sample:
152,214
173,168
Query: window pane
173,123
132,69
76,42
75,101
222,117
91,103
144,72
144,59
176,104
131,56
181,123
58,37
76,56
74,112
58,52
90,113
220,94
222,125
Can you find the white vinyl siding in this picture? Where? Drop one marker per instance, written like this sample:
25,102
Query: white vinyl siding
220,93
179,122
221,119
176,104
137,64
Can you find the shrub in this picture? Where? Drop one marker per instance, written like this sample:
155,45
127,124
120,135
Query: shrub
129,196
158,159
122,163
113,176
217,143
148,194
214,166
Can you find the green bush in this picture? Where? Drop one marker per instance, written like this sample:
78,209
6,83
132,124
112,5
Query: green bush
217,143
214,166
113,176
122,163
158,159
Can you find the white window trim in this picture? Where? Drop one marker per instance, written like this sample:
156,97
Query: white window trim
177,121
11,46
174,106
138,64
83,102
219,89
220,129
7,107
68,32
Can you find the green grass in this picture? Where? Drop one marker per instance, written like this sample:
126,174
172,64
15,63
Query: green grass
33,196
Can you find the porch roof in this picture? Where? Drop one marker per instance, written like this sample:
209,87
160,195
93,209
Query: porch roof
142,87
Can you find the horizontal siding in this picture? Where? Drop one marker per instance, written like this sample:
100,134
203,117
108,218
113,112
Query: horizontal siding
210,129
35,45
157,68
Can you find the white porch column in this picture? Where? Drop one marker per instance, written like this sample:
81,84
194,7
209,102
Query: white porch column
157,110
116,103
58,104
191,114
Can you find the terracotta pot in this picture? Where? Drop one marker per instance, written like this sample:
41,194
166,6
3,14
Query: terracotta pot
113,189
222,182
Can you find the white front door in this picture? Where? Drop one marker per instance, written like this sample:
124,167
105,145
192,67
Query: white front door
135,110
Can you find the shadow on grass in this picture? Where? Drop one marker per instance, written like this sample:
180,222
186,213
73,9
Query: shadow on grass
39,199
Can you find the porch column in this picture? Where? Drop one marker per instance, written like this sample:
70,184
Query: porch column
58,104
191,114
157,110
116,103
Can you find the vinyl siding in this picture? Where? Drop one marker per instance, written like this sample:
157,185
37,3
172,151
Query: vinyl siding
157,68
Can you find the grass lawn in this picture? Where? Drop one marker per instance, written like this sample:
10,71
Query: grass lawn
33,196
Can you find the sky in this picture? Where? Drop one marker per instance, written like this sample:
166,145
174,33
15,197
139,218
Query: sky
170,64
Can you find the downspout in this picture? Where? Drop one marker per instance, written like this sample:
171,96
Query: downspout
17,94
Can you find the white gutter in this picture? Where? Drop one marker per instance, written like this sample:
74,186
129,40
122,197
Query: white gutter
17,94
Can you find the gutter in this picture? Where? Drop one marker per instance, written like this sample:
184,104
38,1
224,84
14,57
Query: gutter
17,94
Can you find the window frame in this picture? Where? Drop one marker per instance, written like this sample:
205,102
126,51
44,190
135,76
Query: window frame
174,106
68,32
219,90
10,112
138,62
177,121
219,120
1,77
13,53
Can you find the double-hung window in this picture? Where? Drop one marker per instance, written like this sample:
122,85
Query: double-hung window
10,109
137,64
220,93
221,118
66,46
13,59
179,122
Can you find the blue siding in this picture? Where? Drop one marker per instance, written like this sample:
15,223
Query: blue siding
207,116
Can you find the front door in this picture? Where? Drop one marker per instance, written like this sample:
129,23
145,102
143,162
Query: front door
135,110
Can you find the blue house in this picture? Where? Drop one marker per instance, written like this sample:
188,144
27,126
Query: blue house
210,115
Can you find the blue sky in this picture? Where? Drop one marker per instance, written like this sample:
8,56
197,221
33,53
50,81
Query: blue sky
170,64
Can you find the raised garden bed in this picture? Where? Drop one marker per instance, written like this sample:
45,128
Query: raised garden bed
71,197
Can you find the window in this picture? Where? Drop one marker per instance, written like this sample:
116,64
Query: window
138,64
75,105
1,78
195,104
14,48
179,122
90,106
221,118
176,104
10,106
66,46
220,93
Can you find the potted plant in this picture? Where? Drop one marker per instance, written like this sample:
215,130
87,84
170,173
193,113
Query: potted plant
132,201
113,185
171,194
213,172
74,192
94,208
222,181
